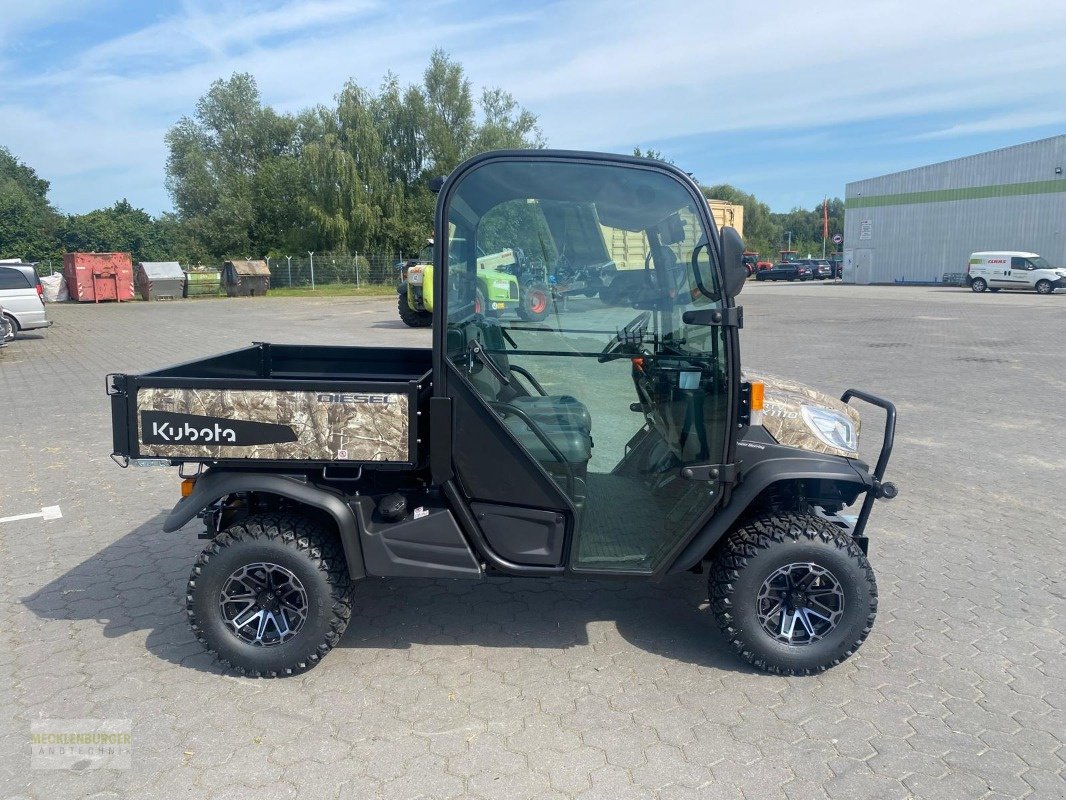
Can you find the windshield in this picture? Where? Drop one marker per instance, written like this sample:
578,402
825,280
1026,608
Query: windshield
1040,262
602,242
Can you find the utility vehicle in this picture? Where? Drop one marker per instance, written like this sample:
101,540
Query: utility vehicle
502,285
313,467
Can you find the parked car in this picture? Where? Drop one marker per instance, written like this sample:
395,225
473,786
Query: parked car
22,295
1013,270
837,263
785,271
821,269
7,328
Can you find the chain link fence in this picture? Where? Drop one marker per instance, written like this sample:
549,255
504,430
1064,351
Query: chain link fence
305,272
359,270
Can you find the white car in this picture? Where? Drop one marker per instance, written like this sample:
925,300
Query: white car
1011,269
21,296
7,328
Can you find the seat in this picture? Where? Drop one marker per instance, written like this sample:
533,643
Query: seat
551,410
561,410
572,443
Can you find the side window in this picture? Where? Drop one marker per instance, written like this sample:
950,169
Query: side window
1018,263
1030,265
13,279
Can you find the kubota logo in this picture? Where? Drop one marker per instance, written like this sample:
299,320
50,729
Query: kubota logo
166,432
165,427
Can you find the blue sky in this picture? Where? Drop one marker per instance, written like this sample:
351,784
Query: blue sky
785,99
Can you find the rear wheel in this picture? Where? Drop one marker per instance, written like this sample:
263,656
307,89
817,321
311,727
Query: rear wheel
412,318
535,302
270,595
1044,287
13,325
793,593
978,285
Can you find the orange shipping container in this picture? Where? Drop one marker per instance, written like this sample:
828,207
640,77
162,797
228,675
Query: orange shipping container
95,277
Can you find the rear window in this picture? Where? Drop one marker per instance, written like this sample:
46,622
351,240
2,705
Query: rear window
13,279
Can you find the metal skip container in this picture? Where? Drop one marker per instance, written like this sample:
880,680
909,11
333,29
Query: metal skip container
201,281
92,277
246,278
160,280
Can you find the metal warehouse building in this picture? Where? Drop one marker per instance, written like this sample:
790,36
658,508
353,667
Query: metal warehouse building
916,225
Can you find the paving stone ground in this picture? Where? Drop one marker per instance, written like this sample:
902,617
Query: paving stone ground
562,688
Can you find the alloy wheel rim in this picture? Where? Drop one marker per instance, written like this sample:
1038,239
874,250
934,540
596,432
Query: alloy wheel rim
263,604
800,604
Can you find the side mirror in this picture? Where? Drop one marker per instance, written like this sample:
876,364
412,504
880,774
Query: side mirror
733,270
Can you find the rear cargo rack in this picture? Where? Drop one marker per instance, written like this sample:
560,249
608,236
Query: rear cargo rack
310,407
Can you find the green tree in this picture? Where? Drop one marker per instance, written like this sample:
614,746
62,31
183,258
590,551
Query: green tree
120,228
349,177
762,231
27,219
655,155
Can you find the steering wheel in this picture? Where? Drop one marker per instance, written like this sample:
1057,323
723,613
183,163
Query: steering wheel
630,334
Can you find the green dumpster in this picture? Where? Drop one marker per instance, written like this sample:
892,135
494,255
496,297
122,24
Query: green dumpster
202,282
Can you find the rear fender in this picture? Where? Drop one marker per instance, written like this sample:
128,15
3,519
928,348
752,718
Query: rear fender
759,480
214,484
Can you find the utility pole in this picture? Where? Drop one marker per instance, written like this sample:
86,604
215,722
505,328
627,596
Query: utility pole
312,254
289,259
789,240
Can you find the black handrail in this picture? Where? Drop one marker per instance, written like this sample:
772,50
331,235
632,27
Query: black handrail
507,408
890,426
882,459
525,373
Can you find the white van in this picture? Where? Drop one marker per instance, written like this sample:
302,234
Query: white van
20,295
1010,269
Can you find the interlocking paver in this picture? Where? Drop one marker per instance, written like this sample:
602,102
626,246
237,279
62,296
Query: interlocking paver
559,688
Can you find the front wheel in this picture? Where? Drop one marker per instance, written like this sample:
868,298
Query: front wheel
1044,287
793,593
270,595
411,317
978,285
535,302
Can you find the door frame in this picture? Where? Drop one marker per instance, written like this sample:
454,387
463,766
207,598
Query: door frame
443,371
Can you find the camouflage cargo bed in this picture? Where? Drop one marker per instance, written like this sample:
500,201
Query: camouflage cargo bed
291,404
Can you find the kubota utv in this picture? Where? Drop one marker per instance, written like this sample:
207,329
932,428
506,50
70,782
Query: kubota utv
621,441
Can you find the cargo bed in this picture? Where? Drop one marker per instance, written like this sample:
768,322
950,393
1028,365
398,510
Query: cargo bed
297,405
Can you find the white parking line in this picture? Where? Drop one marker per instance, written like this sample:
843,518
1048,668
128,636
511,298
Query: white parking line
46,513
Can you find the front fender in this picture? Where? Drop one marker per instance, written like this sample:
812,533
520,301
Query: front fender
215,484
782,466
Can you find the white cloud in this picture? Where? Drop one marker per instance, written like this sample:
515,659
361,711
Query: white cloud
1017,121
602,74
19,17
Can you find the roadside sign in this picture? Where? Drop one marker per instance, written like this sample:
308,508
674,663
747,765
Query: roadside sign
838,239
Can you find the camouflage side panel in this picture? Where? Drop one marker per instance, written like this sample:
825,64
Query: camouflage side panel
782,417
276,425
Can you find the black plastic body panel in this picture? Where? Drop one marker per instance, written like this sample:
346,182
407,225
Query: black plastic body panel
440,439
763,465
429,546
523,535
492,466
217,483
